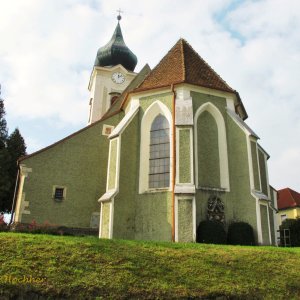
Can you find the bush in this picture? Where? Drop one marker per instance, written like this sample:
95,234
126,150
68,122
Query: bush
295,233
240,233
47,228
211,232
294,226
34,227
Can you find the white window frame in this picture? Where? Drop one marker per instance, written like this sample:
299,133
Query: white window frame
156,108
64,192
222,142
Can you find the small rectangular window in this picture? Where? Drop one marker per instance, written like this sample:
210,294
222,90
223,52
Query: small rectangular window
59,193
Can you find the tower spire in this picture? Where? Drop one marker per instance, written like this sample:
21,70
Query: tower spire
119,15
115,51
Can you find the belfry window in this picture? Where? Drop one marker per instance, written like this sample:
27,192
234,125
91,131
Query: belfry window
159,161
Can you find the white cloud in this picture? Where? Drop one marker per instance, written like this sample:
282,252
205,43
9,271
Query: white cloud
48,49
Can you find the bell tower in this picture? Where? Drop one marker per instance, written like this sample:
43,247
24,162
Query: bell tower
112,72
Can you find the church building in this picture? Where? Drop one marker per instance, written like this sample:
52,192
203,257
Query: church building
164,149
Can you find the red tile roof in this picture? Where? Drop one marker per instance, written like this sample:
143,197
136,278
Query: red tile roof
288,198
182,64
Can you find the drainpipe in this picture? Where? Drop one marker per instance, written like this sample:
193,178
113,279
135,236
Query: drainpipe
15,195
173,163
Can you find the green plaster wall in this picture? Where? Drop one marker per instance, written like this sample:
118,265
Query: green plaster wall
125,201
219,102
264,224
185,220
146,216
105,219
208,151
240,205
154,210
113,164
263,173
255,166
79,163
165,98
184,156
154,216
271,218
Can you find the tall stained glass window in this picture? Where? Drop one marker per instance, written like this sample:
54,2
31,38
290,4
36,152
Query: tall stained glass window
159,162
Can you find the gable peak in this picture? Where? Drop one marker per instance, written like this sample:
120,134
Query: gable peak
182,64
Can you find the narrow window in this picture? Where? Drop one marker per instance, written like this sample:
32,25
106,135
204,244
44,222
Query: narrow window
159,162
59,193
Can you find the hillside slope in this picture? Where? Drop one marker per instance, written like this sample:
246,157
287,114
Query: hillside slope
88,268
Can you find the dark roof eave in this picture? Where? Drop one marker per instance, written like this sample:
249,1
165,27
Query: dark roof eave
240,103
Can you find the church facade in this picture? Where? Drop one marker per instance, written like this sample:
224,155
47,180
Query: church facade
164,149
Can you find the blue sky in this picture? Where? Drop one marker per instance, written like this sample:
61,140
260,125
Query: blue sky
48,48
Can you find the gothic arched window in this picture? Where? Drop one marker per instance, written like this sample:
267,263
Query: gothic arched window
159,159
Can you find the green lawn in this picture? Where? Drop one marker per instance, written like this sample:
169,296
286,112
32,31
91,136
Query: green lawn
89,268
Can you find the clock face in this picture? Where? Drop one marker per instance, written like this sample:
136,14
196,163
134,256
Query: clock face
118,78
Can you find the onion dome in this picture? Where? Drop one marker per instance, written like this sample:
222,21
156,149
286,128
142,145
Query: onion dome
116,52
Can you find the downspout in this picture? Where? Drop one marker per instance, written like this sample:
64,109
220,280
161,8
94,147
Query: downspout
14,198
173,163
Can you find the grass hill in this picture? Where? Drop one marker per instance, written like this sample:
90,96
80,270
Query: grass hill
59,267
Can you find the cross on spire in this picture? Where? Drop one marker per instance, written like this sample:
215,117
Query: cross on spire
119,16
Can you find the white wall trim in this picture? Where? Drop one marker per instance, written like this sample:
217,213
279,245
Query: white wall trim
177,198
111,218
107,129
276,226
269,229
230,104
212,92
258,166
269,225
267,175
258,222
194,220
176,218
222,143
150,114
124,122
250,164
100,224
131,104
21,203
117,173
240,123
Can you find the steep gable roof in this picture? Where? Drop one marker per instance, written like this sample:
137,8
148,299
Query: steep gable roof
288,198
182,64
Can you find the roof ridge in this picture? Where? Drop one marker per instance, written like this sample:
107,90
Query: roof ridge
289,190
161,65
165,56
183,59
294,193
